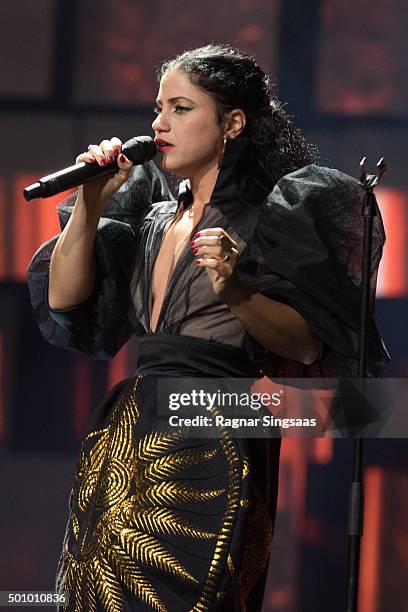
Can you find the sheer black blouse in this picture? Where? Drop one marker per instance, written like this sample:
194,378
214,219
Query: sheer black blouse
300,242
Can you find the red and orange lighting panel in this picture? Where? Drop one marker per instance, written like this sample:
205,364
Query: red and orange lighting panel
32,224
129,44
1,388
119,367
3,230
82,396
393,271
370,551
362,57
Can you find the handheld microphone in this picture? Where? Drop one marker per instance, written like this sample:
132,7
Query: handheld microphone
138,150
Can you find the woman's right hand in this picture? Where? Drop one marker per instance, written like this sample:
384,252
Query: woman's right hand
95,193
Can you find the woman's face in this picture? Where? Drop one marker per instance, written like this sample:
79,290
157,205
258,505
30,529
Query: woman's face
186,120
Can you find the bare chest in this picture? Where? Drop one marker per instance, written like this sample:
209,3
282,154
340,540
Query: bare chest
176,236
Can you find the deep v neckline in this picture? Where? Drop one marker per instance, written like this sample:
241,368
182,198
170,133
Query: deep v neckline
172,274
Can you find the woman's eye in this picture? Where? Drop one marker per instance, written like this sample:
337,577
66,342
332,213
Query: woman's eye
177,109
181,109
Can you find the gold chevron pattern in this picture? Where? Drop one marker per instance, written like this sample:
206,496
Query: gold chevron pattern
124,499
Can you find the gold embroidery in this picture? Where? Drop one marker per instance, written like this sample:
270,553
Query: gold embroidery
162,520
121,491
155,444
89,589
134,579
246,467
170,492
233,496
107,586
75,525
150,552
162,467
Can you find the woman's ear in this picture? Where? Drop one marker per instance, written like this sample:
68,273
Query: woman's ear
235,122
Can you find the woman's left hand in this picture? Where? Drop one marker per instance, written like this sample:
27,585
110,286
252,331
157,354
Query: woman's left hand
216,251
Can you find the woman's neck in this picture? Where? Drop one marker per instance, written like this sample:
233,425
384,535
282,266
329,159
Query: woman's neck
202,185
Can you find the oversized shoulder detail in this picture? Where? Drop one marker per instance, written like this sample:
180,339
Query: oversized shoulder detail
314,214
306,250
322,189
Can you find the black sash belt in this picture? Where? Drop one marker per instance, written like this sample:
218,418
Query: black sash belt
170,355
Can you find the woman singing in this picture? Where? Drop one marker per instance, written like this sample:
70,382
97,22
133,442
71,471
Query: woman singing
255,268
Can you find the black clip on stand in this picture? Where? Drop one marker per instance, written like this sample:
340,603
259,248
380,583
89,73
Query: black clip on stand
356,500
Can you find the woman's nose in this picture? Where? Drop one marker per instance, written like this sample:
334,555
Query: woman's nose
159,124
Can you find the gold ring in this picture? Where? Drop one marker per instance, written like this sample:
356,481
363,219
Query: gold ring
227,257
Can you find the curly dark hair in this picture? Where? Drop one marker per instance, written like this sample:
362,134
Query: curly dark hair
234,80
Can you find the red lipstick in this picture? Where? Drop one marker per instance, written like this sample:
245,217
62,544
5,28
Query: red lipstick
162,145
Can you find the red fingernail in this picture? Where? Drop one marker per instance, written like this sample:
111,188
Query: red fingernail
198,261
197,235
123,159
192,243
116,151
110,159
195,251
102,162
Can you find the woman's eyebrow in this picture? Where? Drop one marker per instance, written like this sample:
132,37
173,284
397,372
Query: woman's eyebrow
175,99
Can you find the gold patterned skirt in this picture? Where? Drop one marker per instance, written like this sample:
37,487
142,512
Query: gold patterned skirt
162,521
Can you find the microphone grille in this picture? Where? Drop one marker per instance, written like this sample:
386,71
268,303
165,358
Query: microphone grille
140,149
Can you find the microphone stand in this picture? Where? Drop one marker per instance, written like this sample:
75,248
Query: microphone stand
356,497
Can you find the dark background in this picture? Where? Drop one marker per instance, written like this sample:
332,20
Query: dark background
76,72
